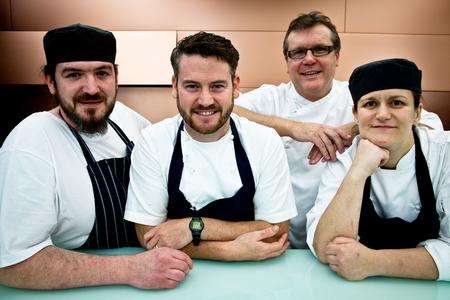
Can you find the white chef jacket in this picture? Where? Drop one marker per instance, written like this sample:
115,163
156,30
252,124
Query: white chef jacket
210,171
335,109
394,193
46,195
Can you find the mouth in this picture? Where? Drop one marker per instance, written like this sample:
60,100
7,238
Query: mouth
205,113
310,73
383,127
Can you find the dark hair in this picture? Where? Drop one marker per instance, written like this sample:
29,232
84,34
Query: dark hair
309,20
205,44
49,70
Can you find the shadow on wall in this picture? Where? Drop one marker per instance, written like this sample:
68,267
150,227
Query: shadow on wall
22,100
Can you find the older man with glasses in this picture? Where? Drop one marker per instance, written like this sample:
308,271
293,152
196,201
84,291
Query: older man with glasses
313,108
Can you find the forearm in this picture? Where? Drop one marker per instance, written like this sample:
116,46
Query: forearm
55,268
218,230
414,263
341,218
211,250
281,126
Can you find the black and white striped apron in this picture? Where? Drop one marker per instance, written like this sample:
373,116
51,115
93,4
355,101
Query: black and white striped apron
109,178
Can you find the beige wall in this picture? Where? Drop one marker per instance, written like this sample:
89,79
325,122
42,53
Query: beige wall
147,30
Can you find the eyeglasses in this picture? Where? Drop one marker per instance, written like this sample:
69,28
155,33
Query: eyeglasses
317,51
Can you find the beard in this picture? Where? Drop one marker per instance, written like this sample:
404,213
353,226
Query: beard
187,117
90,123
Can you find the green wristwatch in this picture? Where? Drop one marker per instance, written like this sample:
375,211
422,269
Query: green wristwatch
196,226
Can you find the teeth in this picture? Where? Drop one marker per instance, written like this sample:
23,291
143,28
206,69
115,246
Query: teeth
205,113
311,73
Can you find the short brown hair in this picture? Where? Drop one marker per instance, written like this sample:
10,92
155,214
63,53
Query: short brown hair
306,21
205,44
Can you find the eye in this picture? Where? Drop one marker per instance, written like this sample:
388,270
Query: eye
297,53
218,87
102,74
369,104
73,75
321,50
397,103
192,87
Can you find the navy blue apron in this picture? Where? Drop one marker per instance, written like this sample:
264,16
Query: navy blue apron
109,178
239,207
395,233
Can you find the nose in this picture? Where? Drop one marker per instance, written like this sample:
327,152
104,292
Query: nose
309,58
383,112
205,98
90,85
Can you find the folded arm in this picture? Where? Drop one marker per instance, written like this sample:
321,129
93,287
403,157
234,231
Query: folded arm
354,261
56,268
220,240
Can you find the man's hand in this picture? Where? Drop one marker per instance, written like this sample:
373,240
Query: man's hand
327,139
174,234
250,246
159,268
349,258
368,157
346,132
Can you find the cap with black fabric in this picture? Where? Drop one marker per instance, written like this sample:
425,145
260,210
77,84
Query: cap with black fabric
395,73
79,42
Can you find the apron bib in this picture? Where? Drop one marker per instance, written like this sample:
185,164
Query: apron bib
239,207
109,178
376,232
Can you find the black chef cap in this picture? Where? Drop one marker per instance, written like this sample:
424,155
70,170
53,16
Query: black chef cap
396,73
79,42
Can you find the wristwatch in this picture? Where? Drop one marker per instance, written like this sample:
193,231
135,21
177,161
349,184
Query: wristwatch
196,226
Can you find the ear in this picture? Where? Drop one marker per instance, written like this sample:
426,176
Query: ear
236,86
417,113
50,84
355,115
174,87
337,58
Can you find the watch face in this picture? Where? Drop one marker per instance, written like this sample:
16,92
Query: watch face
196,225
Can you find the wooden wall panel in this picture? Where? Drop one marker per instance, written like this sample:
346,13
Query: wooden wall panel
429,52
400,16
170,14
5,15
261,56
143,57
439,103
21,57
153,103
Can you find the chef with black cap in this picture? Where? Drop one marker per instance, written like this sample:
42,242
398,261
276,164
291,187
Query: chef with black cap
383,206
64,177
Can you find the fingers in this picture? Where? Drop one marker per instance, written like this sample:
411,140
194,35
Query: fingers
267,233
334,267
152,242
279,247
331,150
182,257
321,146
335,136
314,155
175,275
149,234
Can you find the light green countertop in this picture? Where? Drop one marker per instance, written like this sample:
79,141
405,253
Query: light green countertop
295,275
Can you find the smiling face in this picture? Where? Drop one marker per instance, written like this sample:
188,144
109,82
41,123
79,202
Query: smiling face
386,118
205,91
312,76
86,93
